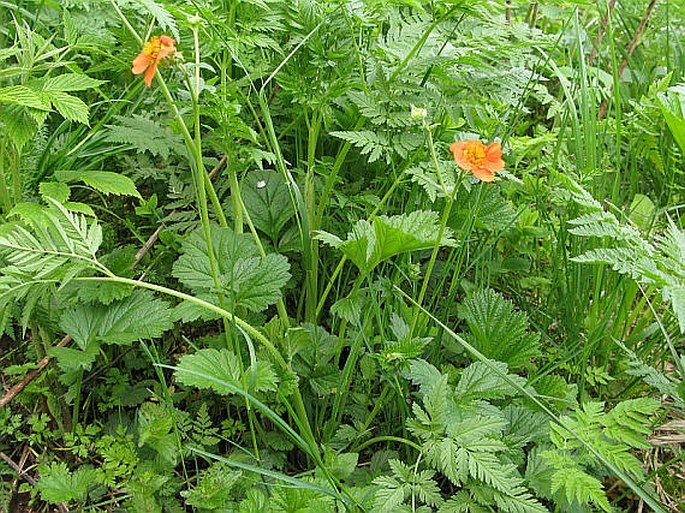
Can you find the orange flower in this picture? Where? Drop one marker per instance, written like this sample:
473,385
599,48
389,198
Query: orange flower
483,161
156,49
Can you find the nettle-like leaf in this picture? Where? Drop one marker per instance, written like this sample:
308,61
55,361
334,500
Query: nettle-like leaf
70,82
44,95
120,262
478,382
155,422
370,243
211,368
106,182
214,487
245,278
136,317
24,96
497,331
486,207
20,123
70,107
58,484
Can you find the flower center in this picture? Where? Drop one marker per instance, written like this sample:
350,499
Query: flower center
152,47
474,153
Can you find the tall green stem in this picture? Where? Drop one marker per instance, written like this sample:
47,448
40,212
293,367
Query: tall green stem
449,198
310,205
4,190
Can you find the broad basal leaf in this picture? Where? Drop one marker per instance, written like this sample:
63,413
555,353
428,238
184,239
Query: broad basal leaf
266,198
369,244
245,278
207,368
136,317
58,484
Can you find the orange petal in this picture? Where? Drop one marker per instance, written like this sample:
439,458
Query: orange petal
165,51
457,149
150,73
493,158
140,63
167,41
483,174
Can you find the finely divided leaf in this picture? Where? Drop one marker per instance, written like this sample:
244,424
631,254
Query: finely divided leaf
144,135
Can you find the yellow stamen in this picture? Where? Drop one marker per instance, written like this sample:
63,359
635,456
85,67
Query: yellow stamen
475,154
152,47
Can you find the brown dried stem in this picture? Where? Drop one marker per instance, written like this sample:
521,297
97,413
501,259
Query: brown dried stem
629,52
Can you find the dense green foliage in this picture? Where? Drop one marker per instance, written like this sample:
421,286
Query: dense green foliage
265,283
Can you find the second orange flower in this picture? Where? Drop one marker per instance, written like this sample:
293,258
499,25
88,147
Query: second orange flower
483,161
156,49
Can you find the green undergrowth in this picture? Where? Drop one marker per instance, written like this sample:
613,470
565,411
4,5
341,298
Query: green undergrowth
265,283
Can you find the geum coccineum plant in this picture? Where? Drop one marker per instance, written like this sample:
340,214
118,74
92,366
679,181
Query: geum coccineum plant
300,381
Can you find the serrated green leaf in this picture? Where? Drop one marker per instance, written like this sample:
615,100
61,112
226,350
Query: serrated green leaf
56,190
369,244
497,330
260,377
245,278
136,317
17,123
70,82
202,368
106,182
71,107
478,382
58,484
21,95
71,359
120,261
